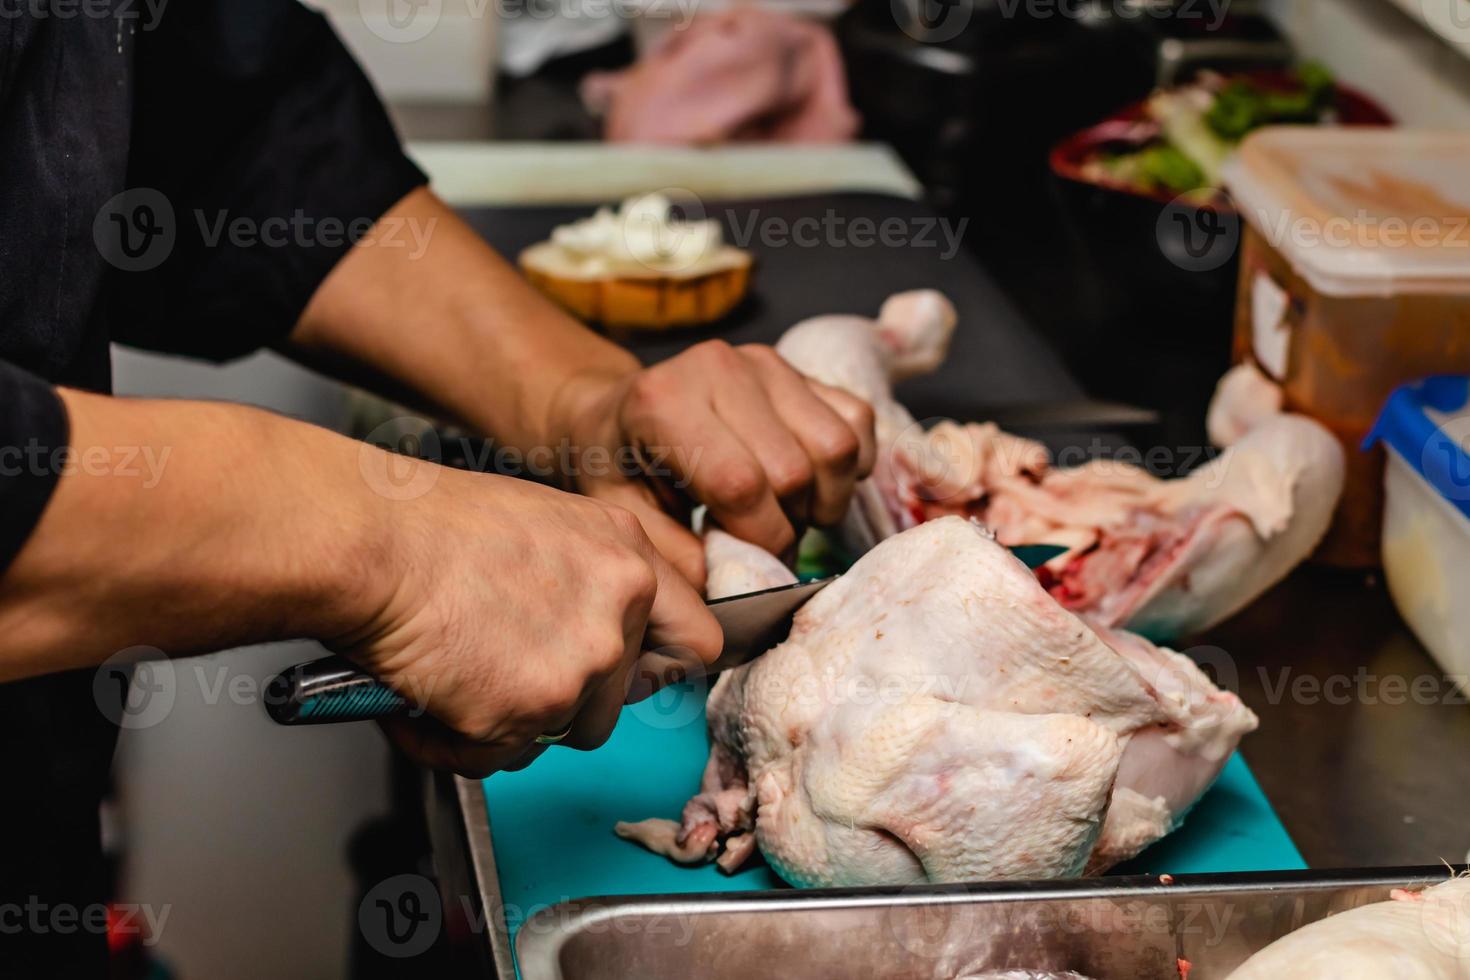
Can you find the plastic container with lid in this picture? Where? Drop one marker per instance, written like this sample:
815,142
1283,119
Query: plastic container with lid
1354,278
1426,515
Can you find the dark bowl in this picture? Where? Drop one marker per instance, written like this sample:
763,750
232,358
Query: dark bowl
1069,157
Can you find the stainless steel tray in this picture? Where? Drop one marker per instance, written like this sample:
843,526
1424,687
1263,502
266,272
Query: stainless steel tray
1125,928
1136,928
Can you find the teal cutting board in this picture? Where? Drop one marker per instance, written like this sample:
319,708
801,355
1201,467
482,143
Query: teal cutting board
552,822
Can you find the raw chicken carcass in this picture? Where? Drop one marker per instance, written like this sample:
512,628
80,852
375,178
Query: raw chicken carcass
1412,936
1177,556
935,715
1166,557
1244,398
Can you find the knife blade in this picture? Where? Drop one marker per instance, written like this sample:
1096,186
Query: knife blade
333,689
1082,414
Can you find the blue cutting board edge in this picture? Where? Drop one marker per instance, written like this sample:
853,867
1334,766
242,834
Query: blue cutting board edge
553,838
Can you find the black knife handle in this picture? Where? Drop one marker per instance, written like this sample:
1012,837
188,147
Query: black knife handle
327,691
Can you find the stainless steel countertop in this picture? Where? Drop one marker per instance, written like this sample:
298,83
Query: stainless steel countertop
1363,738
1359,749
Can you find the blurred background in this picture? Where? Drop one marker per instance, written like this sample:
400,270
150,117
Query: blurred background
1033,121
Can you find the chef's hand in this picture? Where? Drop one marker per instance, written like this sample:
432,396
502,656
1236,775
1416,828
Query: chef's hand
515,611
457,329
735,428
505,609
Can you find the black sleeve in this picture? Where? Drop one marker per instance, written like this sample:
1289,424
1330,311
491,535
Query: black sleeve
273,154
33,433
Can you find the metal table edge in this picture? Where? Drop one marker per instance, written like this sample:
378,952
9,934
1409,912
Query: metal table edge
464,859
540,949
471,793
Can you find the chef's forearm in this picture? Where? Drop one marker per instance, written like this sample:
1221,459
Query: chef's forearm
189,527
451,326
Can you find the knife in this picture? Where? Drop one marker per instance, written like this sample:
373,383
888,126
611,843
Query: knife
1085,414
333,689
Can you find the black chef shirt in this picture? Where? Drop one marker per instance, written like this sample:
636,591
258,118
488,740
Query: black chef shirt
128,131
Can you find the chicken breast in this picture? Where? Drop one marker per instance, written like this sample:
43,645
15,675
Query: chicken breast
1413,936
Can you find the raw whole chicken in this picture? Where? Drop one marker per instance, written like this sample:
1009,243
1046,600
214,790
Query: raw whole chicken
1164,557
935,715
1412,936
942,713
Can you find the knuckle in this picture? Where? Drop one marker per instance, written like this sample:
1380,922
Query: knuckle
739,485
858,412
633,578
762,354
649,390
628,584
552,702
625,523
478,728
862,416
839,448
606,657
715,351
790,475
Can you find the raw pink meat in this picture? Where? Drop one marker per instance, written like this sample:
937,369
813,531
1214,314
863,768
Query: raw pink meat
1165,557
935,715
734,75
